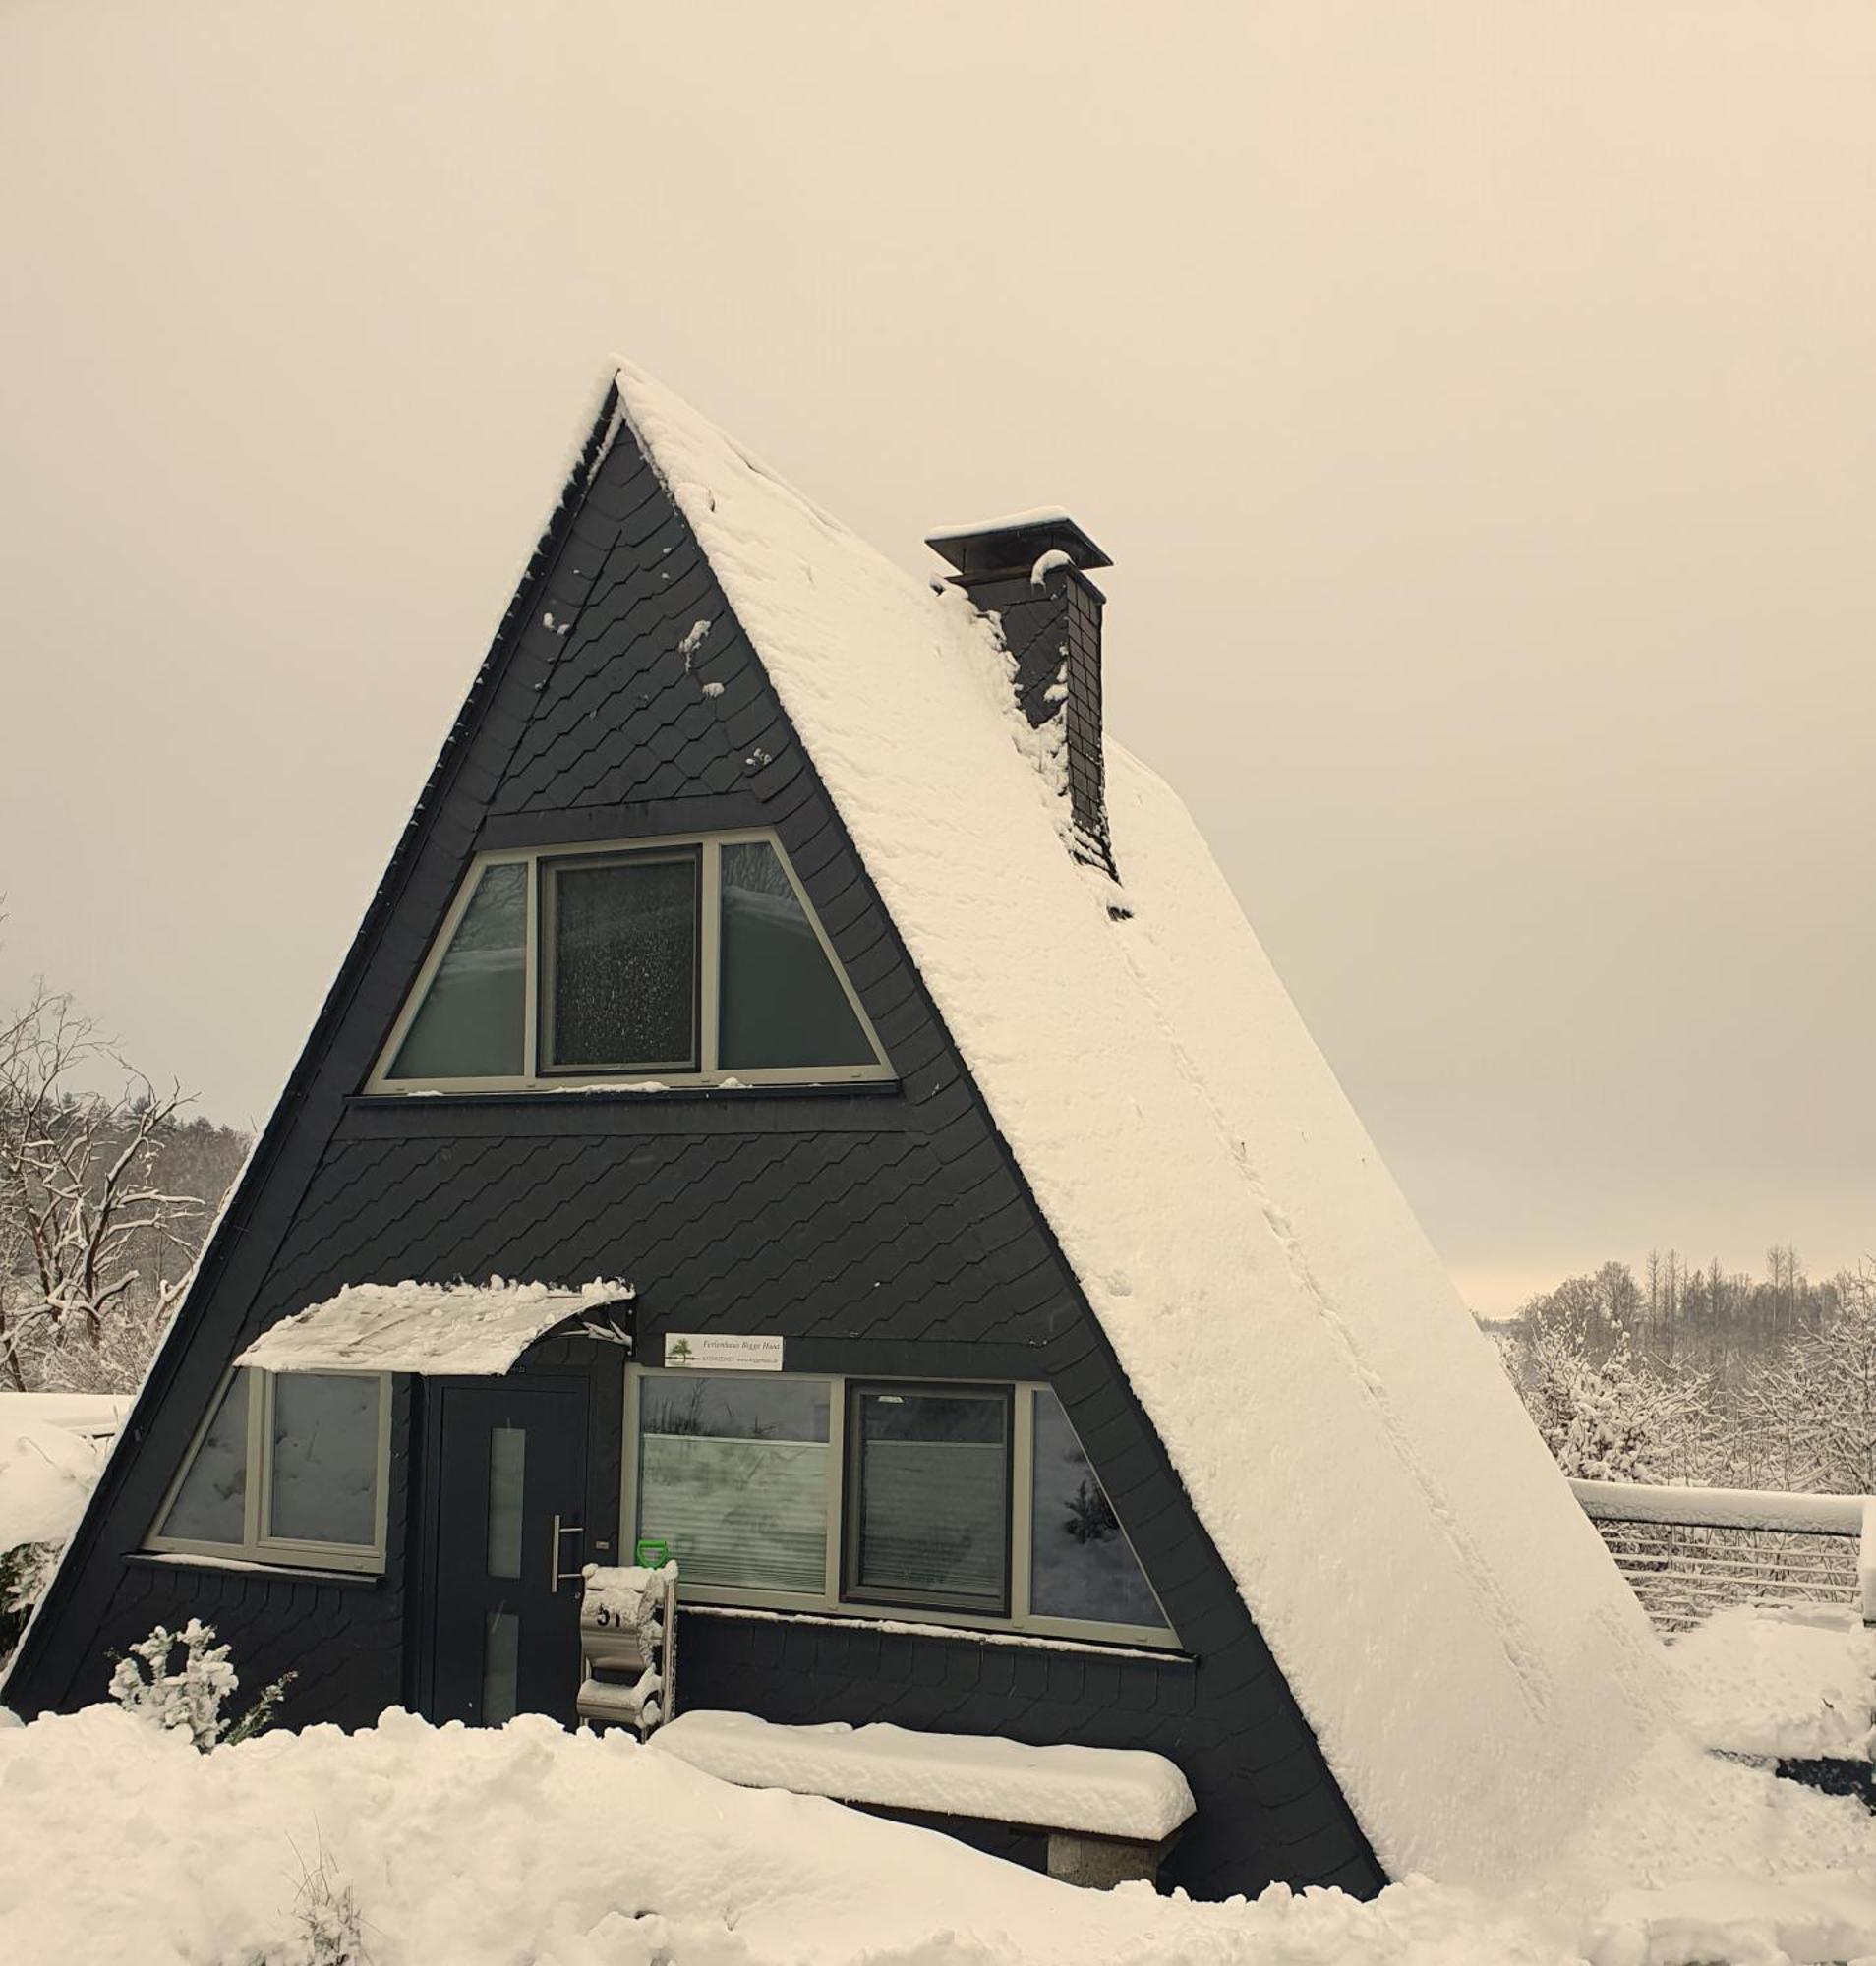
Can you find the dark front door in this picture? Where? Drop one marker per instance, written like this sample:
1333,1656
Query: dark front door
504,1589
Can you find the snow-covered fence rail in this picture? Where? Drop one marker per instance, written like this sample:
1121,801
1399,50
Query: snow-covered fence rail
1689,1552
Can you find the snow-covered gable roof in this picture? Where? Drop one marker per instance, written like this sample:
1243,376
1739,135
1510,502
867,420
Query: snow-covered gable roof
431,1328
1474,1667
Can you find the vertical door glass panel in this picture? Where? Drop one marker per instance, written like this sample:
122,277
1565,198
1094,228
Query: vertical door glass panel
470,1023
500,1666
1080,1563
782,1004
732,1474
932,1508
507,1473
211,1504
624,985
324,1475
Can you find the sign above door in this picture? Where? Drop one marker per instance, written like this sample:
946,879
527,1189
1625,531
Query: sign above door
723,1352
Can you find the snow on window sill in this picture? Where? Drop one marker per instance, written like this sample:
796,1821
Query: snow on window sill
640,1091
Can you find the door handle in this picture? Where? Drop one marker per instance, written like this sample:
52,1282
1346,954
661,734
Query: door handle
555,1575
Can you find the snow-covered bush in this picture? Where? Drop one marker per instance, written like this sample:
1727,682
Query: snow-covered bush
189,1693
24,1571
326,1909
1605,1419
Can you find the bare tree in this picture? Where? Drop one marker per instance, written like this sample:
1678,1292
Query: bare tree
85,1224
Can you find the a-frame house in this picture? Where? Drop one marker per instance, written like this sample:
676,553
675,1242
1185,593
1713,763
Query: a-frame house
778,969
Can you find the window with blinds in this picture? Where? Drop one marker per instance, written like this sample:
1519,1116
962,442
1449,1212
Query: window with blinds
733,1476
928,1520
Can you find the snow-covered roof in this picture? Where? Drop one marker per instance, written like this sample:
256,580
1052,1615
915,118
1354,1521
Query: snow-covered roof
1473,1667
432,1328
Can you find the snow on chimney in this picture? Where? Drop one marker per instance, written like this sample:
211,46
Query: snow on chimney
1029,571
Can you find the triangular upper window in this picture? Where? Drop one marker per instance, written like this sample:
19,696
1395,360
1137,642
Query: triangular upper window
696,960
469,1025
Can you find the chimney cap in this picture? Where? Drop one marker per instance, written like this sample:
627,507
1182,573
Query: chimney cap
1013,545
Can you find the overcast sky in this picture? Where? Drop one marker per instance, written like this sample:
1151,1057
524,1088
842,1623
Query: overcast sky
1476,399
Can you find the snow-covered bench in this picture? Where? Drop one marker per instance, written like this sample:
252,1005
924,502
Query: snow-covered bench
1109,1814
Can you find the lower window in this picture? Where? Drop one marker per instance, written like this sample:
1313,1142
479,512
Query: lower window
290,1467
968,1504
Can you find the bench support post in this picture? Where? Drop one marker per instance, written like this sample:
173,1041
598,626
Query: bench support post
1099,1863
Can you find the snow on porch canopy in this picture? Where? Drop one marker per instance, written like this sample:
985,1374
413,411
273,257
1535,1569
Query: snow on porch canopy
474,1329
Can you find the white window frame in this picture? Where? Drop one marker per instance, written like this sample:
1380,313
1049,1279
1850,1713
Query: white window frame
256,1544
829,1603
534,1075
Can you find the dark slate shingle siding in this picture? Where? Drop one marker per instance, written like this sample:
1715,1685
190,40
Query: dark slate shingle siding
881,1230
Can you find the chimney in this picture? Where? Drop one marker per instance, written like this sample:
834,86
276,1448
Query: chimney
1031,572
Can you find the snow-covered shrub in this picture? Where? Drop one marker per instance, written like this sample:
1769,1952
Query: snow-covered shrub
25,1572
1605,1419
326,1909
189,1693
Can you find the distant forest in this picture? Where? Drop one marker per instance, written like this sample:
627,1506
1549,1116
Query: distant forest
1691,1373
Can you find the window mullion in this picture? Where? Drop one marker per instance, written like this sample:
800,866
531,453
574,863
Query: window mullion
1022,1503
260,1428
835,1488
381,1475
628,1469
710,908
531,978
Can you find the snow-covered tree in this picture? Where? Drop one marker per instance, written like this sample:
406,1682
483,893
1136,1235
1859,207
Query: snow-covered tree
1821,1395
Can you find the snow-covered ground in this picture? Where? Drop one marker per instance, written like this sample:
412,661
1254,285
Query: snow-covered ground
483,1848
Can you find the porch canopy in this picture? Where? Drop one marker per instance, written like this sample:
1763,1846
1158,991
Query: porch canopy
471,1329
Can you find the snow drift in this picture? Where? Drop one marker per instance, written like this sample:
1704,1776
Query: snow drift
487,1847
